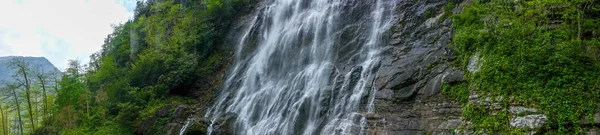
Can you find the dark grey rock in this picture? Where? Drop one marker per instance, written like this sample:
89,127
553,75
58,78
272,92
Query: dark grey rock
406,92
387,94
433,86
453,77
173,129
450,124
179,115
414,65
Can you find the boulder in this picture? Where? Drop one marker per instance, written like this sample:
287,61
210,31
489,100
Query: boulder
529,121
453,77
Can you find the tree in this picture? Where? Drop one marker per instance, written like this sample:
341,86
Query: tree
3,119
13,89
23,71
43,78
69,95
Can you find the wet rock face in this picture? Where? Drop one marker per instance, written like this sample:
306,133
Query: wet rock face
414,66
418,54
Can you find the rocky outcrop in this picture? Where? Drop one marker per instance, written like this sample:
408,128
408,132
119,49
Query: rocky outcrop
167,120
436,114
415,65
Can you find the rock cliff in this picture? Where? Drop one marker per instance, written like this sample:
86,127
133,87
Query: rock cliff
415,64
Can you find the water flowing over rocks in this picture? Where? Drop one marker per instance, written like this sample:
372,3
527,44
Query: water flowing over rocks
398,80
305,67
348,67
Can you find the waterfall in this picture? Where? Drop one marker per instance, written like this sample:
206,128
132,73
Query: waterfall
187,124
305,67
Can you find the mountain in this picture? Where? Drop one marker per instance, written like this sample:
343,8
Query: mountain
37,64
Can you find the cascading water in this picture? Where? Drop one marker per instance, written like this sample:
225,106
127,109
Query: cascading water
187,124
311,65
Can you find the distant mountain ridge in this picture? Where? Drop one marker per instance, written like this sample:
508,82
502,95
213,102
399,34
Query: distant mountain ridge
36,63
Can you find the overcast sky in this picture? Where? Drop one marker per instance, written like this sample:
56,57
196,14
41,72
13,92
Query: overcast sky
59,29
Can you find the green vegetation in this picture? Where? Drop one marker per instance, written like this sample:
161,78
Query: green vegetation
26,100
166,53
545,53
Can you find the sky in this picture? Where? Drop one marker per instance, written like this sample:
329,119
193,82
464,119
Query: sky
59,30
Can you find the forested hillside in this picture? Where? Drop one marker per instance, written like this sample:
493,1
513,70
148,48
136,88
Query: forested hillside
166,55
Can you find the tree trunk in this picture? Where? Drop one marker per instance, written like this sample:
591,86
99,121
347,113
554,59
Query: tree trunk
3,124
44,97
18,110
28,96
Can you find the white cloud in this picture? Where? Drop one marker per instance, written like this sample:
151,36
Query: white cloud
58,29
